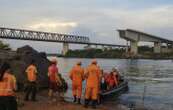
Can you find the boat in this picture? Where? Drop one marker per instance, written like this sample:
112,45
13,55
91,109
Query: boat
121,88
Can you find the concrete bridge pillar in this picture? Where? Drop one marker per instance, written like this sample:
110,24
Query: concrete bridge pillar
65,48
134,47
103,48
127,48
157,47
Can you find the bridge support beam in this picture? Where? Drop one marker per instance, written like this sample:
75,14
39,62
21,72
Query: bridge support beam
157,47
134,47
127,48
65,48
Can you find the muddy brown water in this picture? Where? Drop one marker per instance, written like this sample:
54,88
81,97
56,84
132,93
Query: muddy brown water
150,81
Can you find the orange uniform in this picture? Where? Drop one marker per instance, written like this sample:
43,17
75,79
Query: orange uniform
31,73
7,85
93,73
77,75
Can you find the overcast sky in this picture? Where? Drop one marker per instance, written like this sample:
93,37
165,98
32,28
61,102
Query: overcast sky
98,19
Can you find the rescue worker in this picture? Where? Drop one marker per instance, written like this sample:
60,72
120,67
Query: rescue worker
77,76
54,80
112,81
31,88
92,76
116,74
7,88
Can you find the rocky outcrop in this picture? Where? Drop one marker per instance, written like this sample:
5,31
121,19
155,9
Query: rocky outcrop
22,58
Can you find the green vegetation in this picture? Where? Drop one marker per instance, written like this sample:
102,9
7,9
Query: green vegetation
96,53
4,46
145,52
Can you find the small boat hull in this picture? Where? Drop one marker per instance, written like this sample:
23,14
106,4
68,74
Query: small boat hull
122,87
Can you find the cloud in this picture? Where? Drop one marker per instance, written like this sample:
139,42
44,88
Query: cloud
145,18
52,26
98,19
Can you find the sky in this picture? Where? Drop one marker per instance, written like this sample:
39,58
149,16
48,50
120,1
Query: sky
97,19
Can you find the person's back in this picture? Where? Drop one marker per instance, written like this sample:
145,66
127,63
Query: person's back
77,76
93,75
52,71
77,73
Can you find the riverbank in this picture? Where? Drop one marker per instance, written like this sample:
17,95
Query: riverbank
115,54
44,103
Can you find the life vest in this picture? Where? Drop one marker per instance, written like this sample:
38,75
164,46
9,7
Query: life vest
31,73
7,85
112,80
52,72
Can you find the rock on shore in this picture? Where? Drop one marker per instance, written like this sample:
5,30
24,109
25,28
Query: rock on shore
20,59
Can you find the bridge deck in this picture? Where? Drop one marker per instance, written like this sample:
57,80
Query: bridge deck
20,34
150,35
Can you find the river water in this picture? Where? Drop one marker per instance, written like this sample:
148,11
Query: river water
150,81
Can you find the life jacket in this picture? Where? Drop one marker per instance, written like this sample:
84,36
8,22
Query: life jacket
7,85
111,80
52,72
31,73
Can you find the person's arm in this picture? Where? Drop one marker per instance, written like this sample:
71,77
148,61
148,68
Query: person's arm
35,70
83,74
48,73
14,83
86,73
58,79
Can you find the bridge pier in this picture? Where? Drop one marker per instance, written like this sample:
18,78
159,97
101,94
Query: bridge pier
157,47
127,48
65,48
134,47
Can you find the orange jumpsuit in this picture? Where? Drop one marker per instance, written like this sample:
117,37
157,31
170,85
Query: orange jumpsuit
77,75
93,73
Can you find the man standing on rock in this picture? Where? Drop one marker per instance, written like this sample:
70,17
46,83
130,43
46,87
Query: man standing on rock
77,76
31,88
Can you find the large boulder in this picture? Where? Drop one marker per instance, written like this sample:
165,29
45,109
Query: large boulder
21,60
27,54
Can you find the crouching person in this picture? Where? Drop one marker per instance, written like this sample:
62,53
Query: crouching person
7,88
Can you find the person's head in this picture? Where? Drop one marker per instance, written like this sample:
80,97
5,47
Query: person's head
54,61
111,73
114,69
94,61
79,63
5,67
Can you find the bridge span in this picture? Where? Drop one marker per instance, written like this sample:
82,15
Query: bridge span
135,37
22,34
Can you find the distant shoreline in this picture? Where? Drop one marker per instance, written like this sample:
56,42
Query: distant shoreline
113,58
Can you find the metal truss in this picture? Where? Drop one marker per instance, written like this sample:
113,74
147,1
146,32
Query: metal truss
20,34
